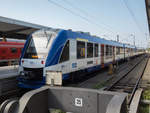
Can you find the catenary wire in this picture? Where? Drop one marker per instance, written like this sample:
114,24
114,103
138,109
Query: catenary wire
76,14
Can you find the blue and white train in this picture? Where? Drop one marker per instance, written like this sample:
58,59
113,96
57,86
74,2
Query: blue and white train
69,52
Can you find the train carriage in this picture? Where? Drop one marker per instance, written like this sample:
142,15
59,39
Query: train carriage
68,52
10,52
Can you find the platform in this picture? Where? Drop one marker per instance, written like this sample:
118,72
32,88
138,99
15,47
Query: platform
135,102
146,75
8,71
8,81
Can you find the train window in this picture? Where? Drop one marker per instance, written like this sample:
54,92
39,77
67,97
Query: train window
96,50
89,50
80,49
129,50
126,50
107,50
117,50
3,51
121,50
13,50
110,50
65,53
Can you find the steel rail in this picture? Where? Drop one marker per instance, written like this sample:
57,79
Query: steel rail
137,84
111,86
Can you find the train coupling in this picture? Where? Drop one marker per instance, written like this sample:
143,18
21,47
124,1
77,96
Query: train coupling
27,75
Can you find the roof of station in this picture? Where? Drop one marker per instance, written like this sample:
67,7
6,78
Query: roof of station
148,12
11,28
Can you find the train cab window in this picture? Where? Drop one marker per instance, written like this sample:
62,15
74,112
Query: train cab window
89,50
96,50
65,53
80,50
13,50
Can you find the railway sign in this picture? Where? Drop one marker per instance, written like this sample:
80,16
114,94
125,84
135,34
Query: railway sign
78,102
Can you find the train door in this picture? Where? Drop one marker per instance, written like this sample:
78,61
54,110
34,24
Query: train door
113,53
102,55
73,63
124,51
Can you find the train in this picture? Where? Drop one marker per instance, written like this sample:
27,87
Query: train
68,52
10,52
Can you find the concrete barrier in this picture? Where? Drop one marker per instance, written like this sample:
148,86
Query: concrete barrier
71,100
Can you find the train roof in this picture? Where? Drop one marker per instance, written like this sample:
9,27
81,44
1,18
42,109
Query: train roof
95,39
87,37
129,46
10,43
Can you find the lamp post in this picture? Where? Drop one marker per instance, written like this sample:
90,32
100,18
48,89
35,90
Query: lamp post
117,38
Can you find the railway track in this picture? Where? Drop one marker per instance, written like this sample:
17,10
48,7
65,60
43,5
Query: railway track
9,89
129,82
91,80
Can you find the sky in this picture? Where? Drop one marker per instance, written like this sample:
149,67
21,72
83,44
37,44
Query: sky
104,18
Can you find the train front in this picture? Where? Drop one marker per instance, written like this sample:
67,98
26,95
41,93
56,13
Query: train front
34,57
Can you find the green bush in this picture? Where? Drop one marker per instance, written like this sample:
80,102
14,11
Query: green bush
146,95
